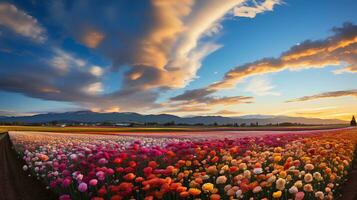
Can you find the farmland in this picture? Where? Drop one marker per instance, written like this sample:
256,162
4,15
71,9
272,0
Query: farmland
95,129
190,165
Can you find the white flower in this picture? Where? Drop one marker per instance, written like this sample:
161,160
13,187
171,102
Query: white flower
258,170
239,193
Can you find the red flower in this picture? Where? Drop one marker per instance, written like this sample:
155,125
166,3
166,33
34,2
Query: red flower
129,177
102,191
153,164
117,161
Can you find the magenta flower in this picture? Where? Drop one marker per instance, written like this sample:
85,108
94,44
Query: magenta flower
82,187
65,197
66,182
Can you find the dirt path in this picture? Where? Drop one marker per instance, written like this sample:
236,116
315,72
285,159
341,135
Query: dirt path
349,189
15,184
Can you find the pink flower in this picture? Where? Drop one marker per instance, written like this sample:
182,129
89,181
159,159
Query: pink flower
82,187
93,182
299,196
102,161
65,197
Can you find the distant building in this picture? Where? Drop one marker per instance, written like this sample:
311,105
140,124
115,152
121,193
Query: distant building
353,121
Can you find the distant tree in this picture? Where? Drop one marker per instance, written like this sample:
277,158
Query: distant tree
353,121
172,123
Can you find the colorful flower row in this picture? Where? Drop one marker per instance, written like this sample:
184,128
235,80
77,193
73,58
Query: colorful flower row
289,166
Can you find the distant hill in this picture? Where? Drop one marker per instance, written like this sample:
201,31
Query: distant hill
129,117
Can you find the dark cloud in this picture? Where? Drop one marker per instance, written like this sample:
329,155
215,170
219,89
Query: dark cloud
189,95
159,44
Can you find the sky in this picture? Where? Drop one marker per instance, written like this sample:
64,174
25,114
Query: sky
187,57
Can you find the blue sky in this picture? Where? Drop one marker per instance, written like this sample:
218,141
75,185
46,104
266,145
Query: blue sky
165,57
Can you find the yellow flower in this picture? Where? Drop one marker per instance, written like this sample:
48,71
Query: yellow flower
277,194
207,187
188,163
298,184
282,174
277,158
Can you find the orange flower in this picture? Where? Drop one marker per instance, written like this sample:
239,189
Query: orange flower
184,194
277,158
181,189
129,177
149,198
215,197
194,191
170,154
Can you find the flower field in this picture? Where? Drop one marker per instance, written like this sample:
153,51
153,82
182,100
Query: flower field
285,166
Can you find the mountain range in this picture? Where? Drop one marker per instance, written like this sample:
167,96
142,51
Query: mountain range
129,117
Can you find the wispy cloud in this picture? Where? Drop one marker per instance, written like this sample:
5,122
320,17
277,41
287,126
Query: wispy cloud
227,113
332,94
21,23
251,11
261,86
189,109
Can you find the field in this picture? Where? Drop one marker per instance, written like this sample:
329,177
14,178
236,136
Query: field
161,129
310,164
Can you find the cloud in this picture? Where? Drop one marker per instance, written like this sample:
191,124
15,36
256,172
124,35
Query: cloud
189,109
92,38
63,60
258,7
96,71
337,49
227,113
164,50
21,23
234,100
94,88
203,96
341,93
192,95
10,113
261,86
